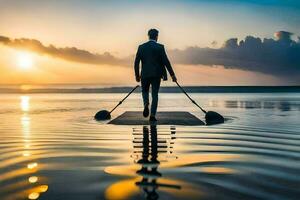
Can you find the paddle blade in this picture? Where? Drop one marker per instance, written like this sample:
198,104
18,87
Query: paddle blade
212,117
102,115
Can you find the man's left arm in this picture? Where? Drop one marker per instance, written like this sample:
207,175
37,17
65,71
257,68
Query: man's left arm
168,65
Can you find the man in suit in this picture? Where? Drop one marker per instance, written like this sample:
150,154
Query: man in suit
154,61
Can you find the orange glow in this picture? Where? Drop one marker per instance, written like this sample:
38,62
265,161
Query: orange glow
43,188
127,188
33,179
15,173
217,170
32,165
26,154
33,195
122,189
25,87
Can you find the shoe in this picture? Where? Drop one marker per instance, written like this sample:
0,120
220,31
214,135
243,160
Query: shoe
152,119
146,110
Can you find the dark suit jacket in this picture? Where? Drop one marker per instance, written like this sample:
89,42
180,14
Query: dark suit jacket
154,61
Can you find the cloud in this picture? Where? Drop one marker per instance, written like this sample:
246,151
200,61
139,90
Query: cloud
67,53
279,57
283,35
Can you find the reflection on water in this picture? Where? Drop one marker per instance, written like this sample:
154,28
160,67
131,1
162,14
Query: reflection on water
281,105
148,150
152,152
149,162
25,103
51,148
32,166
34,188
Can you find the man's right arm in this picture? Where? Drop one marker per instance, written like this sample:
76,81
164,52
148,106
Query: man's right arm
168,65
137,65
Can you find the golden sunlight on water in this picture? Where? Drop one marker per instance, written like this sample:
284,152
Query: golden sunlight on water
25,121
35,192
26,154
32,166
123,189
33,195
51,147
25,100
33,179
216,170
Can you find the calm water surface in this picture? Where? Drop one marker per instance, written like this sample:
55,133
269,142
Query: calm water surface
51,148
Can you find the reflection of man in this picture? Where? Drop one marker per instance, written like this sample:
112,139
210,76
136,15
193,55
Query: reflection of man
149,164
154,63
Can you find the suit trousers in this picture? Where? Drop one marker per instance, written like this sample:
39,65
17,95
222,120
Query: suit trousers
155,85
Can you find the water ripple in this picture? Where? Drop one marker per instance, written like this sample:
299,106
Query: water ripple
53,149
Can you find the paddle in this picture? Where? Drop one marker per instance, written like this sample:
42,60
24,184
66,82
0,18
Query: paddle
105,115
211,117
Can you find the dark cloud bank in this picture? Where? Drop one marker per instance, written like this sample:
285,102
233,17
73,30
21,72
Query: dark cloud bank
279,57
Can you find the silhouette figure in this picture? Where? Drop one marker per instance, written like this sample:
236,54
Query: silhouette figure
149,161
154,61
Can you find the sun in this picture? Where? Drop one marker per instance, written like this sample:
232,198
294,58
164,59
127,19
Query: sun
25,60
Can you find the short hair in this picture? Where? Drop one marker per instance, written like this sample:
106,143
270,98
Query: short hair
153,33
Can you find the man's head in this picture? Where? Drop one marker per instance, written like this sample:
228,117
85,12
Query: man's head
153,34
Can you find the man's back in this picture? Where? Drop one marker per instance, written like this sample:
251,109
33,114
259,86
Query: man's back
154,60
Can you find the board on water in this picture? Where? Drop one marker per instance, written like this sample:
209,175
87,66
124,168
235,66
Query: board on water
163,118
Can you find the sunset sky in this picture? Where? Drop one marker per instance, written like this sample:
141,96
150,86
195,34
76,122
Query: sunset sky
45,42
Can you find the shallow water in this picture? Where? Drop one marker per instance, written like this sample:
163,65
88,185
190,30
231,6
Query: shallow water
51,148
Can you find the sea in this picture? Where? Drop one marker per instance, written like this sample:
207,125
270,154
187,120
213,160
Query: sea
52,148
